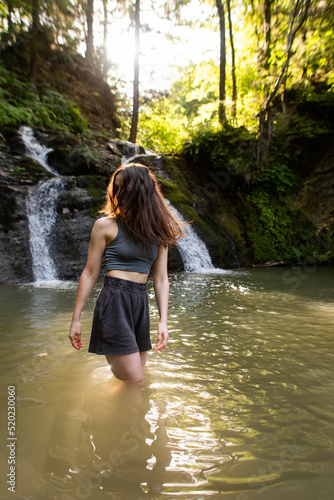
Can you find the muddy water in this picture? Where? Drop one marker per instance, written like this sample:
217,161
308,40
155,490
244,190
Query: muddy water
240,406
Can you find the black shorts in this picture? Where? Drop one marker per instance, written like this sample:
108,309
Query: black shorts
121,321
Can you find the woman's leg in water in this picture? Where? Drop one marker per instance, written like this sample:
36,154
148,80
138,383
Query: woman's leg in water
128,367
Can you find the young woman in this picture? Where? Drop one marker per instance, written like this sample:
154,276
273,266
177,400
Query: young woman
134,235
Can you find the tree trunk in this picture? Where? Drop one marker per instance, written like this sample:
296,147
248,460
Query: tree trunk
304,74
9,19
105,36
34,43
265,55
256,31
267,33
89,38
135,111
266,129
298,14
222,68
234,81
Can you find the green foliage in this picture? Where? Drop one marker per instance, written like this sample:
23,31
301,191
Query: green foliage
166,119
306,127
191,105
308,113
230,149
276,229
269,225
276,177
19,104
194,94
160,132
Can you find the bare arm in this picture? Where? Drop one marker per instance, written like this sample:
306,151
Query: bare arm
88,279
161,289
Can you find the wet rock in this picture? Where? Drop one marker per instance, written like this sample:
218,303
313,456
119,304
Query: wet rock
29,171
80,160
126,148
112,146
69,244
15,145
3,144
15,258
175,262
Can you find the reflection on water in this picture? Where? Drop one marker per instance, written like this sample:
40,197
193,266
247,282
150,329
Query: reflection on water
240,406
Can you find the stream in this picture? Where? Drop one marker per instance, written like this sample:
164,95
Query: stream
238,406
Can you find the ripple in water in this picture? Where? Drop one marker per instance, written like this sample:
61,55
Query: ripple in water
239,406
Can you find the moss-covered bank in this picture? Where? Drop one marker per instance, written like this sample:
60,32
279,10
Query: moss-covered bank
283,212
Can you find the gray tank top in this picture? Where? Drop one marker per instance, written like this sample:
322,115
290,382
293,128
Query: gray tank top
124,254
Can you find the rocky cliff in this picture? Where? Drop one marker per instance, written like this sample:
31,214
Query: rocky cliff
77,203
85,167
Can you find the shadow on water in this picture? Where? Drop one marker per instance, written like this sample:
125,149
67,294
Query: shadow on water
238,407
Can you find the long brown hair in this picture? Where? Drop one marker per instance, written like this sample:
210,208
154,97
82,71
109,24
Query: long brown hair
141,205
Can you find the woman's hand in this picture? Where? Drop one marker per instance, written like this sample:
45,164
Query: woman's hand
75,334
161,289
163,336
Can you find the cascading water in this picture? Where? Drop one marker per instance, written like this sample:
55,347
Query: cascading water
130,151
34,149
195,255
42,213
41,205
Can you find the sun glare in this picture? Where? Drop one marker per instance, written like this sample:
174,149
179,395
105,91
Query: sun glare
163,46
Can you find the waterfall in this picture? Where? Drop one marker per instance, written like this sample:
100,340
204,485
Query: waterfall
195,255
34,149
130,151
42,214
41,206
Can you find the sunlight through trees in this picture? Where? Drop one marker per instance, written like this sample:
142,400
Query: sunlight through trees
265,46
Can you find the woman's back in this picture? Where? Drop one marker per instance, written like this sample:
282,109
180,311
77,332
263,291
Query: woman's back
124,253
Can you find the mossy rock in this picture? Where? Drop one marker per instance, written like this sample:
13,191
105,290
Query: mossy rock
29,171
187,195
173,193
96,186
219,241
82,194
84,159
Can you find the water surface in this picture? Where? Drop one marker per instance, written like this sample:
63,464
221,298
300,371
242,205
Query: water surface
240,406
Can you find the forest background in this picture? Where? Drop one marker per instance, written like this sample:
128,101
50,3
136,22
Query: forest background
249,99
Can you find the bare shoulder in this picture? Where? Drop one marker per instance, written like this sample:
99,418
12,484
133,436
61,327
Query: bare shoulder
107,227
105,222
